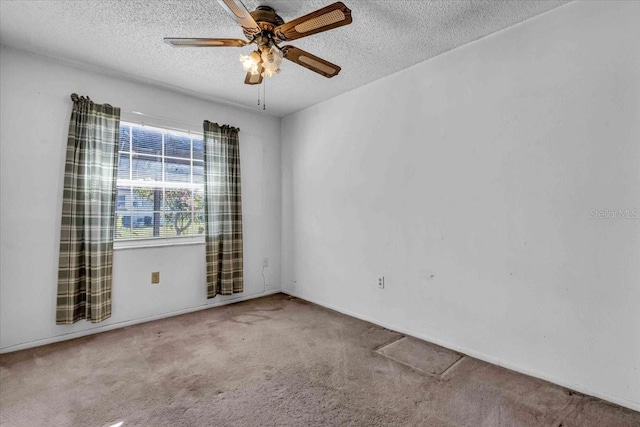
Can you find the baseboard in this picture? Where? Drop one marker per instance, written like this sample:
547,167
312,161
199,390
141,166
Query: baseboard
100,329
475,354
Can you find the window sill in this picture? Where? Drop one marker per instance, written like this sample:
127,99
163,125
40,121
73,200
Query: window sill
156,242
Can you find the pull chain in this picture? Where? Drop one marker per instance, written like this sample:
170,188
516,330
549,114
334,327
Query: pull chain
258,94
264,94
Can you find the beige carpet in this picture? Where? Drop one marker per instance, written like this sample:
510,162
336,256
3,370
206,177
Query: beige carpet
276,361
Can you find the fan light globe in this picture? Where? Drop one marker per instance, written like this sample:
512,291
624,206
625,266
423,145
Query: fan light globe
271,60
250,62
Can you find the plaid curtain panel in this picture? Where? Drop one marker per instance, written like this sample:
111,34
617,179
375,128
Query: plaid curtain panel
223,210
88,208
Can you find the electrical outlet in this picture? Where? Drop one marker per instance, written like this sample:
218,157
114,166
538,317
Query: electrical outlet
155,277
381,282
265,262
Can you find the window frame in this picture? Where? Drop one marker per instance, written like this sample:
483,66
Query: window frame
159,241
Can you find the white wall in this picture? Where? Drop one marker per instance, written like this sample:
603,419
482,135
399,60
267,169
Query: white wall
35,107
468,181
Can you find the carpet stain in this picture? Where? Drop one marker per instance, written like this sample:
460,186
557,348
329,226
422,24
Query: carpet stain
248,319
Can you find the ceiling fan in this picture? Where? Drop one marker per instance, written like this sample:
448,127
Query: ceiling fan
267,29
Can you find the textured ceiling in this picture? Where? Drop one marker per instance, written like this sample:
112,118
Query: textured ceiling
125,37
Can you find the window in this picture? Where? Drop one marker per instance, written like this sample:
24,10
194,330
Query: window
160,183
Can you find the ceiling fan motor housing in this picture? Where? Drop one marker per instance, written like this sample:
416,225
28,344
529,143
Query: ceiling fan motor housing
267,20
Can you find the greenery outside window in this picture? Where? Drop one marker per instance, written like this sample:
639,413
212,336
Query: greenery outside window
160,184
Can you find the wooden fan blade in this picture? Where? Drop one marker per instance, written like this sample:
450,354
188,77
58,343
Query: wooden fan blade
329,17
254,79
241,15
185,42
310,61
